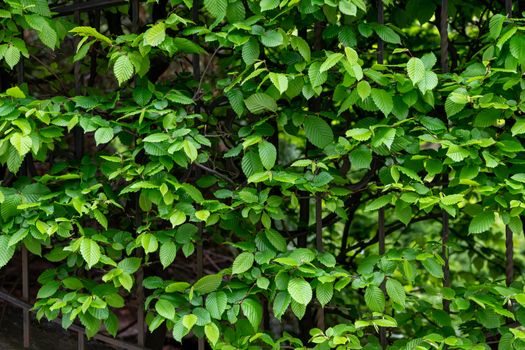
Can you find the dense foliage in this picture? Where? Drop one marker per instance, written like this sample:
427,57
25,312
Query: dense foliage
240,160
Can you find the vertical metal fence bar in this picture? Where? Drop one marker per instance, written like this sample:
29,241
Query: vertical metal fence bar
320,248
509,256
26,320
508,8
25,296
509,244
445,217
135,16
381,241
141,327
380,20
381,212
78,134
80,341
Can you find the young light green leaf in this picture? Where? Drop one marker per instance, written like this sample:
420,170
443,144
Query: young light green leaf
155,35
165,309
123,69
90,251
6,251
300,290
330,61
280,81
212,333
242,263
324,293
415,70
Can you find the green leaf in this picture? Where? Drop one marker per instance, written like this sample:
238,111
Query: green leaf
250,52
383,101
216,304
90,251
379,202
268,154
21,142
242,263
252,309
433,267
324,293
123,69
280,304
272,38
167,253
415,70
387,34
482,222
155,35
316,76
15,92
165,309
318,132
395,291
276,240
103,135
517,47
190,150
495,25
280,81
260,102
212,333
12,56
48,290
217,8
89,31
251,164
361,158
374,298
300,290
6,251
330,61
208,284
363,89
302,47
452,199
519,127
189,321
267,5
428,82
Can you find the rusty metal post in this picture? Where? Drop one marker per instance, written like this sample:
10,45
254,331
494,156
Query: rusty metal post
25,296
80,341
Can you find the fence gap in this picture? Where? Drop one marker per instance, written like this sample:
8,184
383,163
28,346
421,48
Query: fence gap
141,327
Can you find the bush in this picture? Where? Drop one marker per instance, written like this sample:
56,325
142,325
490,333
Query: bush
274,174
